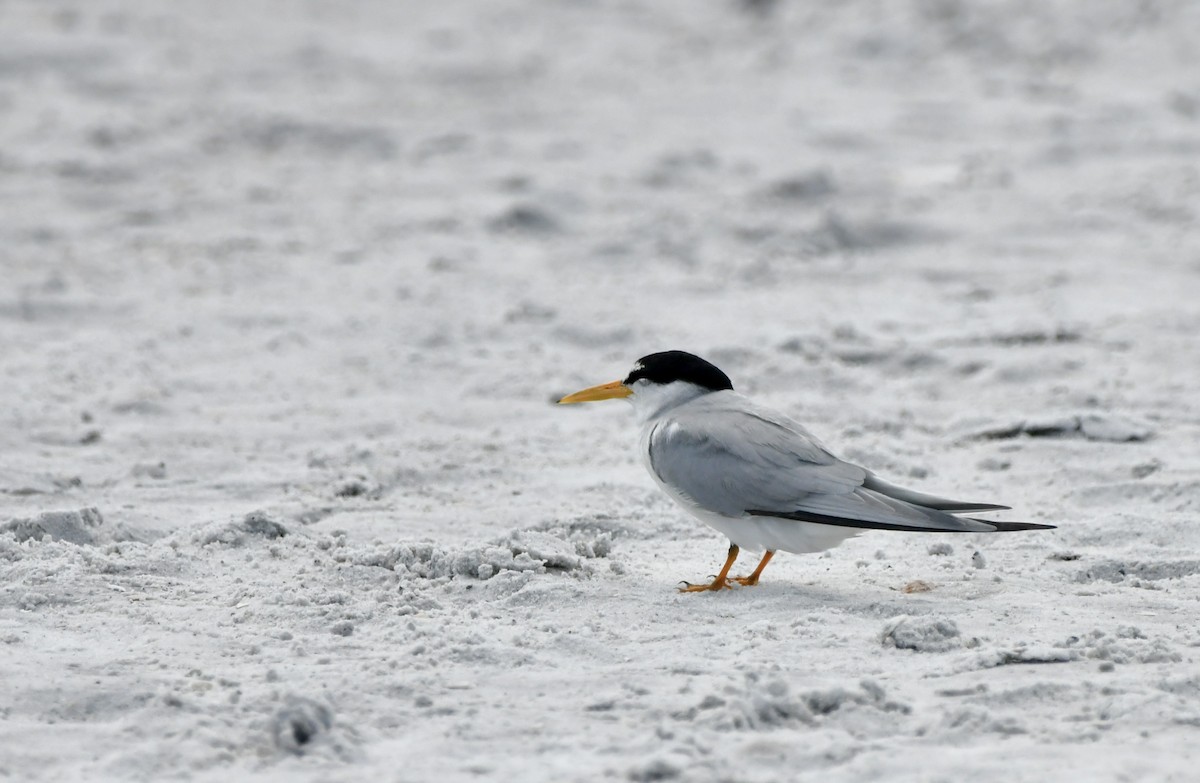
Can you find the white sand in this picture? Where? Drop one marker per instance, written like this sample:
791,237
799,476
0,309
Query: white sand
286,291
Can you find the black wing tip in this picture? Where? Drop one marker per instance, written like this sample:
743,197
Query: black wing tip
958,508
825,519
1012,527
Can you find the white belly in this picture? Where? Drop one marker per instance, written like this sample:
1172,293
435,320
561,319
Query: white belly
778,535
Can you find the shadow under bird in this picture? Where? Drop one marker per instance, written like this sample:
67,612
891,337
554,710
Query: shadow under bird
759,477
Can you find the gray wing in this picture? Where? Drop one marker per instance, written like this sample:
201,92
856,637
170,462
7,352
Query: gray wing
735,459
877,484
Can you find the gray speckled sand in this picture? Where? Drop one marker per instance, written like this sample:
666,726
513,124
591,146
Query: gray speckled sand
287,289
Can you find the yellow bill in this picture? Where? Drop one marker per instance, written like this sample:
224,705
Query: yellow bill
605,391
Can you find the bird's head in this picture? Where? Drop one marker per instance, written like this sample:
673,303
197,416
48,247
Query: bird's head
657,382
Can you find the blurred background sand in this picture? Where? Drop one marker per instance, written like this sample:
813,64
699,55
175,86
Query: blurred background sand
331,263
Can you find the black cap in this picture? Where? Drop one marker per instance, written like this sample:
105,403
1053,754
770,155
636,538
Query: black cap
671,366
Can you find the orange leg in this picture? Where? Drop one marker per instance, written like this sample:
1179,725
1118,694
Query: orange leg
747,581
720,581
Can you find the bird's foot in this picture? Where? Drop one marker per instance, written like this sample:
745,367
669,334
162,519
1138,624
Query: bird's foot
750,581
717,583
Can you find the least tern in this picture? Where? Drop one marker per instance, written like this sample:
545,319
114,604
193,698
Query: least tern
759,477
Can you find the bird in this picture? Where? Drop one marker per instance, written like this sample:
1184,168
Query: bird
758,476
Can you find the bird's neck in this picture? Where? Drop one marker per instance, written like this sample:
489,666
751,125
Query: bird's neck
654,400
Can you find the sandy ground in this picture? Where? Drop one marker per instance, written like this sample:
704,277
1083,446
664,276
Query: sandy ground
287,289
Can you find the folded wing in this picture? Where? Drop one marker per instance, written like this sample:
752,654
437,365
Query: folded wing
733,458
729,460
877,484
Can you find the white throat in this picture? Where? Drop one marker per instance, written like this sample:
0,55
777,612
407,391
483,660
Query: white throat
651,400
